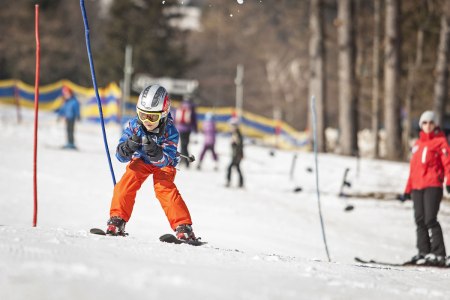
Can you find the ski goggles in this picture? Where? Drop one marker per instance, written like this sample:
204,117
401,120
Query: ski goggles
149,117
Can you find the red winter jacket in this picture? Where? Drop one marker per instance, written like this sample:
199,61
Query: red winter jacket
430,162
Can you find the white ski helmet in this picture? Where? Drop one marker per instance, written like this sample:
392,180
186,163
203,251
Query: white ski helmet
154,98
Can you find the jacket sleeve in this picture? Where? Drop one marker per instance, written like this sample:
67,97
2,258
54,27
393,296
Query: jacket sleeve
122,153
77,111
62,111
408,187
445,158
169,147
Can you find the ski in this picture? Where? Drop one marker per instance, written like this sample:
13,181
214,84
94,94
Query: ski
170,238
389,264
166,238
97,231
363,261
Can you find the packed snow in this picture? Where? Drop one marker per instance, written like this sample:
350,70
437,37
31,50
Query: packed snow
264,241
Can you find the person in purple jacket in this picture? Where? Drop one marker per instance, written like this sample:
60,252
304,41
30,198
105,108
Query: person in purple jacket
209,132
186,122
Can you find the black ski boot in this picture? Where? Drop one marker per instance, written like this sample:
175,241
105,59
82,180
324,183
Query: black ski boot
116,226
418,259
432,259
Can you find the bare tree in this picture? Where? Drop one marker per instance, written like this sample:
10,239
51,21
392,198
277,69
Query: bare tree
391,80
376,77
410,89
317,81
346,77
441,83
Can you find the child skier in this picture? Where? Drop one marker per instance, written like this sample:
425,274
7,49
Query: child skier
149,143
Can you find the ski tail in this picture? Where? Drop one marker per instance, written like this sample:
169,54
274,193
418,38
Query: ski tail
375,262
170,238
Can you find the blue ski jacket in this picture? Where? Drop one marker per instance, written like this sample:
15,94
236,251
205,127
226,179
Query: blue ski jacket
70,109
168,140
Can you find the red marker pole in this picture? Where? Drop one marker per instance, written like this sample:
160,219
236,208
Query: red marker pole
36,108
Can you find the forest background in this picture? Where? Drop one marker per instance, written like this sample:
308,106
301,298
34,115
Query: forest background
371,63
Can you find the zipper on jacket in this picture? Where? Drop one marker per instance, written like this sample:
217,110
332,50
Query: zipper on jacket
424,154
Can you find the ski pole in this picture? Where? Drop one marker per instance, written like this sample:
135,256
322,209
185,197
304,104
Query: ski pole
94,82
36,115
314,120
189,158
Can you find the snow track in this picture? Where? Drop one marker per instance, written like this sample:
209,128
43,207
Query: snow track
264,241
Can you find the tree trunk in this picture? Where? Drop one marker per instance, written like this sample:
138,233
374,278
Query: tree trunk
346,75
376,77
410,87
391,81
441,84
317,82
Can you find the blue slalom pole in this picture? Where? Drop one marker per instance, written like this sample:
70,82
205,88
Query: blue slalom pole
314,120
94,81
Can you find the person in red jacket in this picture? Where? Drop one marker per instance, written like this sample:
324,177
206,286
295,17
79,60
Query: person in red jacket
429,165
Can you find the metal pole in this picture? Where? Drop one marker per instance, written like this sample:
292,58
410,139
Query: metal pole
17,101
94,82
36,108
314,119
239,90
127,71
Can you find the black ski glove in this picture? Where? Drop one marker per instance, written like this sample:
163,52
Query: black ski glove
131,145
152,149
447,187
405,196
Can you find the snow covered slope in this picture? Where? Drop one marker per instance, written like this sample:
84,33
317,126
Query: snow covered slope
264,241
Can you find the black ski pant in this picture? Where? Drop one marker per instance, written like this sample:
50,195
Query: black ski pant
184,143
70,127
236,164
429,232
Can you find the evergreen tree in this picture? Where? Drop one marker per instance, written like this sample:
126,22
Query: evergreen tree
159,49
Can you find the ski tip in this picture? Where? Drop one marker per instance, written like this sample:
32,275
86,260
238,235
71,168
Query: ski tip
97,231
349,207
167,237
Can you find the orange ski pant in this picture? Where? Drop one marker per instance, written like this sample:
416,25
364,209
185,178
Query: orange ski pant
166,192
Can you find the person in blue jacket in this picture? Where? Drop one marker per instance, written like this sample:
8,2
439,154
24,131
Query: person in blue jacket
149,145
70,111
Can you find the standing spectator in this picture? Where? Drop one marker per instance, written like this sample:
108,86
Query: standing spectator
186,122
70,111
430,163
209,132
237,152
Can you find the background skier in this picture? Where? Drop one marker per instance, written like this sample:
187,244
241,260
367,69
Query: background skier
149,143
70,111
186,122
209,132
237,152
430,163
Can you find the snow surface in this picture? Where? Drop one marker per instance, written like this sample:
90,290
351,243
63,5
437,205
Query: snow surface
264,241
